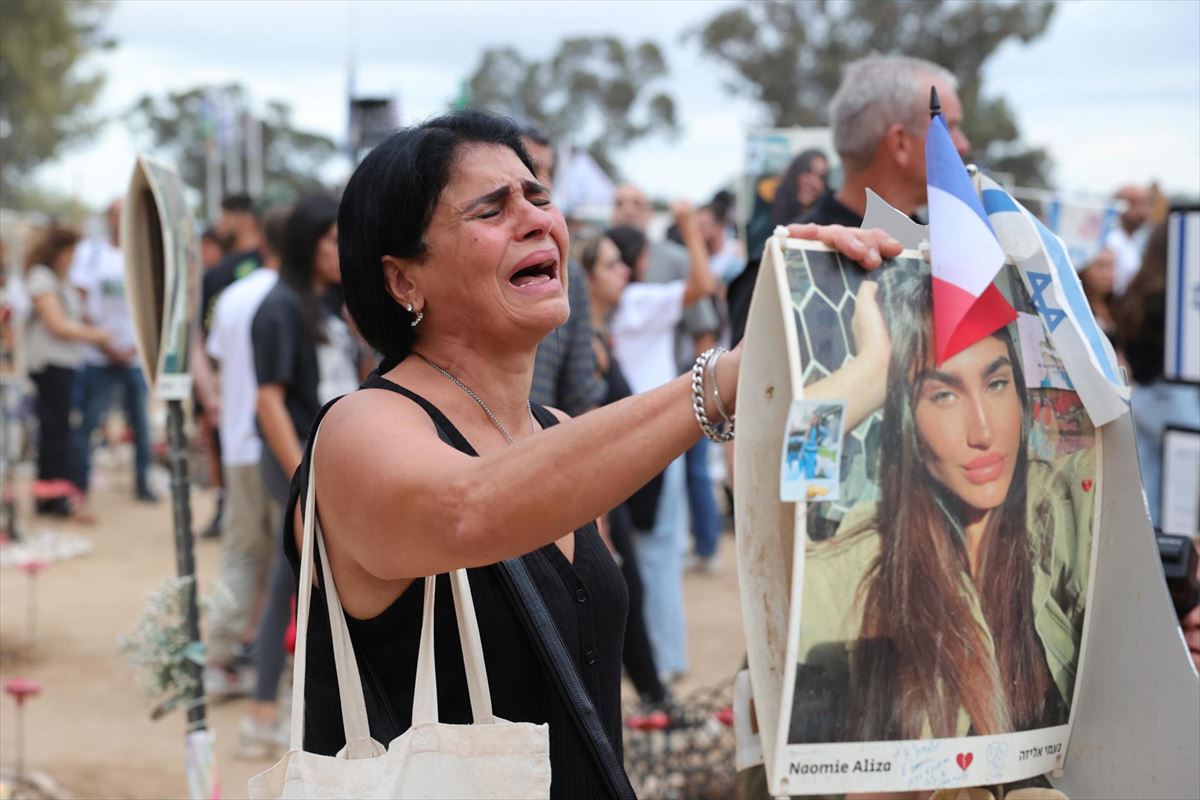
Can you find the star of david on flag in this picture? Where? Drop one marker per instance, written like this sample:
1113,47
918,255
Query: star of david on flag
964,252
1040,283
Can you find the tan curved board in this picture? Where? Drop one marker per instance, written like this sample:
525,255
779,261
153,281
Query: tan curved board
767,385
1136,731
1136,714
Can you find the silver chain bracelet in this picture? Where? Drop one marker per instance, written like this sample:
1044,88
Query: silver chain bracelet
698,369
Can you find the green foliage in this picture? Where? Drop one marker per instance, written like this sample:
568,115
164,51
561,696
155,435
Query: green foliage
594,92
160,651
789,57
176,125
62,207
44,95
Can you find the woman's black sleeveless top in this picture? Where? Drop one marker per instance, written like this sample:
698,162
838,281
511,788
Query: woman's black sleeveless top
587,600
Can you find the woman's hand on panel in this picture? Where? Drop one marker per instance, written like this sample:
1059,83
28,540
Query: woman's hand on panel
869,247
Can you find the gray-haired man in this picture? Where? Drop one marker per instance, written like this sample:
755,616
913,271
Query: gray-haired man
878,116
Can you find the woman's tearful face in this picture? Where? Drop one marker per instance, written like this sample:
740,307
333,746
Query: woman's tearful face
500,249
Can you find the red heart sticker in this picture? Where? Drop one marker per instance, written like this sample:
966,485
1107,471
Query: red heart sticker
964,760
1086,484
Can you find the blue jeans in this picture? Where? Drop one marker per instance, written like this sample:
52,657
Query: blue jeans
706,524
660,563
1154,407
97,385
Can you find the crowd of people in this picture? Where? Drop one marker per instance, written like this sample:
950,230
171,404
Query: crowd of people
1125,283
274,342
79,351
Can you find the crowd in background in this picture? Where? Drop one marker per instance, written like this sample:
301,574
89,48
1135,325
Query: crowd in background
79,351
648,292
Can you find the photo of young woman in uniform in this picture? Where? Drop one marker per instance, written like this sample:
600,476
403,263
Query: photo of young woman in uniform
950,600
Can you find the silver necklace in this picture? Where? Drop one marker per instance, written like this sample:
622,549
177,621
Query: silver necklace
495,421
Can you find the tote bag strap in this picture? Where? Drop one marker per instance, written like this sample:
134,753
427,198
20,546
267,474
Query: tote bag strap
548,643
425,704
350,693
355,722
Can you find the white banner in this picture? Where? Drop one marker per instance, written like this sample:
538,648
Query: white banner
1181,351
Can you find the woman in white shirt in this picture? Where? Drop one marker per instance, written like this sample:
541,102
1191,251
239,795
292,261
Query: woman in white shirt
642,326
52,347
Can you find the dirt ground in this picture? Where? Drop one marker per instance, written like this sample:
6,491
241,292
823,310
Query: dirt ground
90,729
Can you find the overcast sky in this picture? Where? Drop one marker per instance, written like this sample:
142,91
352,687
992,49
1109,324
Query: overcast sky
1112,90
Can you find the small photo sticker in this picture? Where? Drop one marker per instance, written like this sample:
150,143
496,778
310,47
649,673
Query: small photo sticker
812,451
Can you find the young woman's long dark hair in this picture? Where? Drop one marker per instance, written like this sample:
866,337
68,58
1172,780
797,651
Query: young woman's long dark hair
921,656
309,222
631,243
1142,311
786,208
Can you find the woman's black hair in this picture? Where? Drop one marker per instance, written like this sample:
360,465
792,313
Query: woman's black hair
786,208
310,220
630,243
386,210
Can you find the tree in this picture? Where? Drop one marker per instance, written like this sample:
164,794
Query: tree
45,94
789,57
182,125
594,92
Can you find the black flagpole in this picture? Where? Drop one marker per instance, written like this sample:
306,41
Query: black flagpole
185,559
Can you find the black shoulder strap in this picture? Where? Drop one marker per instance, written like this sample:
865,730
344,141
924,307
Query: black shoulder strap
445,428
548,643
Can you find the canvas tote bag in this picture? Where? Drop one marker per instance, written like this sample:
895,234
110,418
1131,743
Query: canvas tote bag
491,758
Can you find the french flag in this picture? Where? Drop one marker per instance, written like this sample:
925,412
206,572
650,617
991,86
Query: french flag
964,252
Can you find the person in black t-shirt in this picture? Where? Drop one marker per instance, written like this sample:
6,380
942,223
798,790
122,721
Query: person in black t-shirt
304,352
304,355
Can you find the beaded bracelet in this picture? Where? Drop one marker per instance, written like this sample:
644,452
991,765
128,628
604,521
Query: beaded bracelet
698,369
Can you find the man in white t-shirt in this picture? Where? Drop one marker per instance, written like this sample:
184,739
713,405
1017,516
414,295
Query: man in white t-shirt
98,271
649,357
250,518
1127,238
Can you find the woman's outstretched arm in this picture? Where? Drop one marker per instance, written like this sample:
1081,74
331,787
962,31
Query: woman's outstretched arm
402,504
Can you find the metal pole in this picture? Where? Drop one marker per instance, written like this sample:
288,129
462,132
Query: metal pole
31,608
19,780
231,110
185,562
254,155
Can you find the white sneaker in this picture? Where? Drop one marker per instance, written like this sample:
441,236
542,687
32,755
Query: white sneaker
705,565
261,741
221,683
